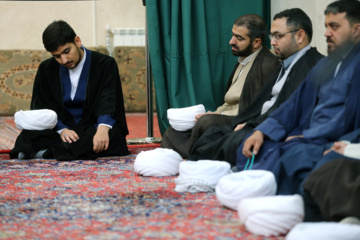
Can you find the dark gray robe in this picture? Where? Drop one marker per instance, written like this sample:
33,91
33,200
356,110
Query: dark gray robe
332,192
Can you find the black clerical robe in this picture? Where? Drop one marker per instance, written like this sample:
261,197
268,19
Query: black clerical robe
103,97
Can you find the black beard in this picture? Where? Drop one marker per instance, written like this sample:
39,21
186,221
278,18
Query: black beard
78,49
244,53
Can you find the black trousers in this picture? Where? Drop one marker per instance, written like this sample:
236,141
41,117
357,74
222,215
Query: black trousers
31,141
182,142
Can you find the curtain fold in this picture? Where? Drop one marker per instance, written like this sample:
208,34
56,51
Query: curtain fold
190,55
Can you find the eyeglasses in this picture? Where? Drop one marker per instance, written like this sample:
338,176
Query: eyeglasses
277,36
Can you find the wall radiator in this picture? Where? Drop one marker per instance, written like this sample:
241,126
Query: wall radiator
124,37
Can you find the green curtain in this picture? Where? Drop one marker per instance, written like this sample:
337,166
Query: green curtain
189,49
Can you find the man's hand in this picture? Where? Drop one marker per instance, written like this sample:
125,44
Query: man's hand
239,126
201,114
101,139
253,144
338,147
69,136
295,136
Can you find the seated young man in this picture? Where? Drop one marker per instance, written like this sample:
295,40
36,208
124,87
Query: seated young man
83,88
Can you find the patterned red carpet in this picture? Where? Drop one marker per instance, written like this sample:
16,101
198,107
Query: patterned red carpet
105,199
8,134
137,124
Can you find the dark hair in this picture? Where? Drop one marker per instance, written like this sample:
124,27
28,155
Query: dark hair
255,24
58,33
350,7
297,19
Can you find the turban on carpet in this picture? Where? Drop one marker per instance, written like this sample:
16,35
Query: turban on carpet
234,187
183,119
271,215
324,230
35,119
158,162
200,176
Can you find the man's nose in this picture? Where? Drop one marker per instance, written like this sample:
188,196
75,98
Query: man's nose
273,41
64,59
232,41
327,32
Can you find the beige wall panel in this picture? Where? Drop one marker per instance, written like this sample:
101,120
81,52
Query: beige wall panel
118,14
22,22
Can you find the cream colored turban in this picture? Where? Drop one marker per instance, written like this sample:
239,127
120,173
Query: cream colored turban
271,215
35,119
200,176
158,162
183,119
234,187
324,231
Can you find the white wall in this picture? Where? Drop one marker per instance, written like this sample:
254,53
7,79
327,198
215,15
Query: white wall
22,22
315,10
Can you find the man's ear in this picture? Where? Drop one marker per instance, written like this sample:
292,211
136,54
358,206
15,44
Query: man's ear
300,36
257,43
77,41
357,30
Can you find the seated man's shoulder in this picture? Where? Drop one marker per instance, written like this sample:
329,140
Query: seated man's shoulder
49,64
101,58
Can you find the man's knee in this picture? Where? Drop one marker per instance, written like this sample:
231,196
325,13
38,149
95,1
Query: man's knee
166,139
205,122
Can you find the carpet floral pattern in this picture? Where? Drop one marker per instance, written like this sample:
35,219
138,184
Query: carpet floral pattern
105,199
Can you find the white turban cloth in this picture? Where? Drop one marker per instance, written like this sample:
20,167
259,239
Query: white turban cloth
200,176
183,119
234,187
271,215
35,119
324,231
159,162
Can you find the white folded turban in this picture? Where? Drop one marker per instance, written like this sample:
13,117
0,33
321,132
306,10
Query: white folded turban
158,162
324,231
200,176
35,119
183,119
234,187
271,215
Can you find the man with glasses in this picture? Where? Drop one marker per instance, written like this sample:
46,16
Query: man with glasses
324,108
291,33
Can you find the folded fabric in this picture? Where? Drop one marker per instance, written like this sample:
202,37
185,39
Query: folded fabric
234,187
271,215
35,119
200,176
324,231
183,119
158,162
